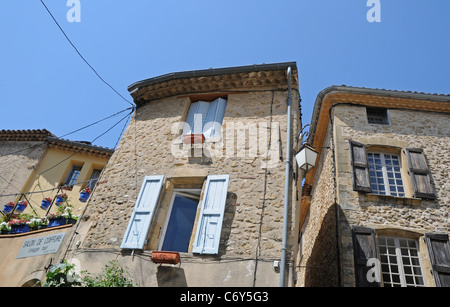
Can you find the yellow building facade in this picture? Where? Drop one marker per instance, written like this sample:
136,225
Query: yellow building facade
67,167
34,165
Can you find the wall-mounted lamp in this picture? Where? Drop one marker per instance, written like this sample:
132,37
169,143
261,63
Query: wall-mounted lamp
306,158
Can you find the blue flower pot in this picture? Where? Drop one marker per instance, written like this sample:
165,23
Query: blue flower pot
7,209
57,222
59,200
20,208
84,197
45,204
19,229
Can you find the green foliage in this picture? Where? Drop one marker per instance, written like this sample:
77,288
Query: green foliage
63,275
113,276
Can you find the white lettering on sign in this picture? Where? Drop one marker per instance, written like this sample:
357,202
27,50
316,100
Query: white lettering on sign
40,246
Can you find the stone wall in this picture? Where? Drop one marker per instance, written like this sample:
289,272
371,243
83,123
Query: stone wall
255,193
317,266
393,216
18,159
408,129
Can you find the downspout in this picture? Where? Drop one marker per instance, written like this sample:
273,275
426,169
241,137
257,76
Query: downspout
287,183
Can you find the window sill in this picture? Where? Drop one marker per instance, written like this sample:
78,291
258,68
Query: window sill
409,201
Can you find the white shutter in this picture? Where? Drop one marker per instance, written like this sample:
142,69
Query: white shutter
214,118
207,237
196,118
142,215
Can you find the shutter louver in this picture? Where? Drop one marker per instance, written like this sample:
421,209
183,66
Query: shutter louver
420,174
439,252
136,232
364,248
214,118
360,167
209,227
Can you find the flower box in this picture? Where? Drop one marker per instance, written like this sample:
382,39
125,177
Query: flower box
21,206
60,199
19,226
19,229
60,221
164,257
193,139
8,208
46,203
84,195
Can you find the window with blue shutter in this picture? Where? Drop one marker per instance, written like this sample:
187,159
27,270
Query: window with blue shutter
205,118
136,232
209,227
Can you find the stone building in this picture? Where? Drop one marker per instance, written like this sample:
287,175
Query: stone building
375,211
200,171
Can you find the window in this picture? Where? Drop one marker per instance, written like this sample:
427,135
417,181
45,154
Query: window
385,174
73,176
377,116
180,222
205,118
182,216
94,178
400,263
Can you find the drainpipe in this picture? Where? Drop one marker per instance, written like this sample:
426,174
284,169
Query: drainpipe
287,183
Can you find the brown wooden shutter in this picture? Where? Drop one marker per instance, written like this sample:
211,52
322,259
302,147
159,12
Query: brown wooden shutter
420,173
439,251
360,167
364,248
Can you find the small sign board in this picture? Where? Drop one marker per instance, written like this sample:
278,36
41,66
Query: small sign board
40,246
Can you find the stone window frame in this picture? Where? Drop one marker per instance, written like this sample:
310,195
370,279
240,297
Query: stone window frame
172,184
423,253
391,146
378,116
189,100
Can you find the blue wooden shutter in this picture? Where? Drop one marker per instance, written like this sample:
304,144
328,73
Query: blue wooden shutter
142,215
214,118
209,227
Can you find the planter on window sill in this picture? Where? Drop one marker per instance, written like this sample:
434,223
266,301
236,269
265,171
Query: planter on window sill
193,139
164,257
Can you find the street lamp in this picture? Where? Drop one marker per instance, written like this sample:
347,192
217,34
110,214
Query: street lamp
306,158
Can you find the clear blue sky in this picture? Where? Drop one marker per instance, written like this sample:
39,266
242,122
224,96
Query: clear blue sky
44,84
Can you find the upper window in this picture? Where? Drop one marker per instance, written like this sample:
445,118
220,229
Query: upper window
205,118
381,173
385,174
94,178
377,116
73,176
400,263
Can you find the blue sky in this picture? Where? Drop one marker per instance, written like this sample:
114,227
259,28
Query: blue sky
44,84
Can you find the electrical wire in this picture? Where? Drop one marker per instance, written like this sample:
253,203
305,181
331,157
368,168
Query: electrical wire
81,56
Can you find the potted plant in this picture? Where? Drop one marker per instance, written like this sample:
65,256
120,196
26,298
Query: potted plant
84,195
46,202
19,226
37,223
56,220
4,228
21,206
60,199
8,208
